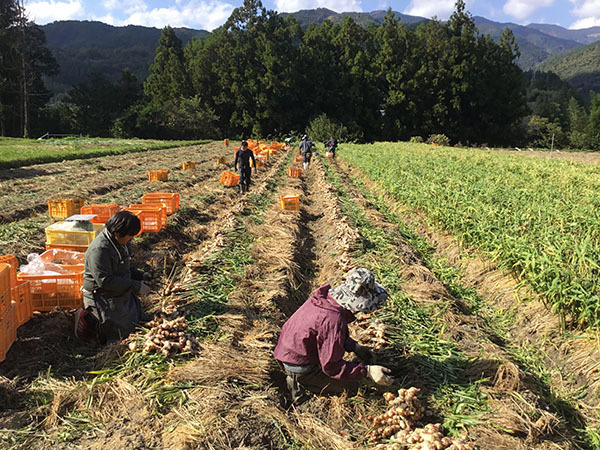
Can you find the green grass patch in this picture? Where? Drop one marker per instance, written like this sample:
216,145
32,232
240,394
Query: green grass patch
16,152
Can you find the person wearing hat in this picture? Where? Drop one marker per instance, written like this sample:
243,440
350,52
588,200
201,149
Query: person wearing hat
313,341
306,146
243,155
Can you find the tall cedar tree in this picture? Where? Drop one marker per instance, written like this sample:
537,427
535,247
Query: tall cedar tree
25,60
168,80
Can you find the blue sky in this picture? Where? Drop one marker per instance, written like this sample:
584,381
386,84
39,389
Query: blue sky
209,14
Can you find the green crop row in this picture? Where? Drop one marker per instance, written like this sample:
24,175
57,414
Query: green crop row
23,152
536,217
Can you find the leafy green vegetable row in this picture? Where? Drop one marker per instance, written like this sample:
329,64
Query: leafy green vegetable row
537,217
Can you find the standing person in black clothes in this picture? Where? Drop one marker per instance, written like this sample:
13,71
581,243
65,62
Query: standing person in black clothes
243,156
331,145
306,146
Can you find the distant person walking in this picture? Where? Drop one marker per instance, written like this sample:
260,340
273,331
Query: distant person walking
306,146
243,157
331,146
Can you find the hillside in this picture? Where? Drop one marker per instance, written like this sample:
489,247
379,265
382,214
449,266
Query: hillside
579,66
84,47
583,35
306,17
535,46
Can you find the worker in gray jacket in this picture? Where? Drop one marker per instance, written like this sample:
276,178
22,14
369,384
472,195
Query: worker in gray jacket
111,286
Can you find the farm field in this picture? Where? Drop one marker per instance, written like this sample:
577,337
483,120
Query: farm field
464,322
21,152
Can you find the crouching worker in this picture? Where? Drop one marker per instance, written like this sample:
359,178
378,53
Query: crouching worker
111,286
313,341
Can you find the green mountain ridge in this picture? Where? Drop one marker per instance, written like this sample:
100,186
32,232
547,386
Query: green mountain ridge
579,66
84,47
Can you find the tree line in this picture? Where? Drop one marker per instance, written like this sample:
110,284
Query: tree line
260,75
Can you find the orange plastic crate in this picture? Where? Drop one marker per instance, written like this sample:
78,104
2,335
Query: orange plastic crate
229,178
21,295
8,331
169,199
63,257
235,149
294,172
12,261
188,165
298,159
56,291
5,286
72,248
290,202
226,142
61,209
158,175
150,219
222,160
260,161
103,211
160,207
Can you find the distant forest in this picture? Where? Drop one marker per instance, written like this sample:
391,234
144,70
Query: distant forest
261,74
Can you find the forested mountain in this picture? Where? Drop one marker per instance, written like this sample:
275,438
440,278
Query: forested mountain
84,47
535,46
583,36
579,66
306,17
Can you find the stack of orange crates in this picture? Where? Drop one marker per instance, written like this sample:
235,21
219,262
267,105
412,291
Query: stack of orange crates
158,175
290,202
229,178
20,292
61,209
103,211
170,200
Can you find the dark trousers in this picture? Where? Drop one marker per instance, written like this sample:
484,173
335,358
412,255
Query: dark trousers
317,382
245,178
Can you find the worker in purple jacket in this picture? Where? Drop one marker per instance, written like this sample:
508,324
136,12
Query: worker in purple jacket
313,341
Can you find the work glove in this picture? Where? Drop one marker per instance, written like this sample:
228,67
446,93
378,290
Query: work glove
147,276
364,353
379,375
144,288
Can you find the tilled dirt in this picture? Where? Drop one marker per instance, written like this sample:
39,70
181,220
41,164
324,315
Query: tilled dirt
26,190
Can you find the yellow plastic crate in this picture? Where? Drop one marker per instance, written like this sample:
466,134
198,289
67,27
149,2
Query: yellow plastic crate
61,209
188,165
56,234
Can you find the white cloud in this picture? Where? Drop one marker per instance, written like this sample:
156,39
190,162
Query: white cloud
587,12
522,9
439,8
192,14
127,6
334,5
48,11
